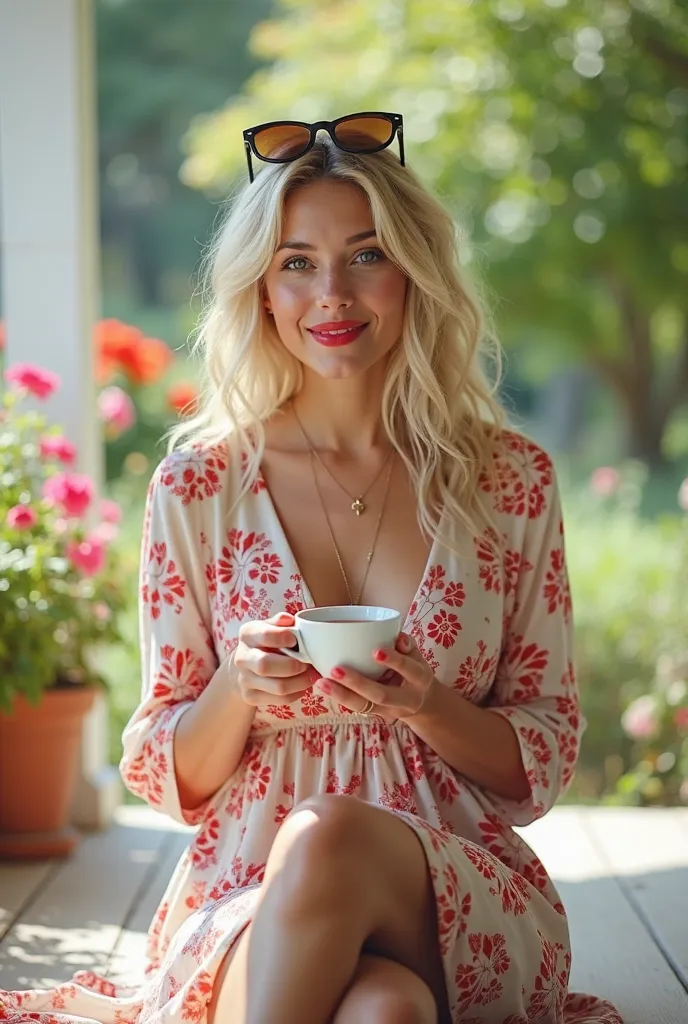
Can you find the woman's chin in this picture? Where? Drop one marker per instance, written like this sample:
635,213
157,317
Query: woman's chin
341,365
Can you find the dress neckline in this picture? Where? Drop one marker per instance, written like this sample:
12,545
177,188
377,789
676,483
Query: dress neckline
264,490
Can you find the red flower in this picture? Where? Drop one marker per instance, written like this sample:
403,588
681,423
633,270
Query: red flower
88,556
21,517
312,704
58,447
444,628
27,377
123,348
681,719
73,491
183,398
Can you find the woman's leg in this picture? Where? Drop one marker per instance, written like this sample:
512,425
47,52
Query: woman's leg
384,992
342,878
381,991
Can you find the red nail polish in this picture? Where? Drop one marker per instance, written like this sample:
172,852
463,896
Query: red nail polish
325,686
381,655
337,673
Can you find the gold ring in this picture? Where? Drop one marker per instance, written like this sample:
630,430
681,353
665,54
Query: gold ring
367,708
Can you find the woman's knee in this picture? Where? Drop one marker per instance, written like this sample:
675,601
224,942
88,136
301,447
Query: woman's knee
388,993
316,856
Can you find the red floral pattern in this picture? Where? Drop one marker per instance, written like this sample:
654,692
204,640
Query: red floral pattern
162,583
495,628
195,475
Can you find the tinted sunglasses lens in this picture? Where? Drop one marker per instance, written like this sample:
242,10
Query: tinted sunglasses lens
282,142
364,133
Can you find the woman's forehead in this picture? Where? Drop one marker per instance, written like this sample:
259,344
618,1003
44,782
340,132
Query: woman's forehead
326,209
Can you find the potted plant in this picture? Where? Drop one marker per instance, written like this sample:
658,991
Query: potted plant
60,598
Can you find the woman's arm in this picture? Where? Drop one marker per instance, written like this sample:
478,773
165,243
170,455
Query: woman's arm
480,745
533,713
523,745
210,738
188,733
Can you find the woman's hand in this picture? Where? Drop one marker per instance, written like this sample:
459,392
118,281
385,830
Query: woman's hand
263,675
401,693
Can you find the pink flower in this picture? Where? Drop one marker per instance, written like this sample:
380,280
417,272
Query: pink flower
73,491
88,556
117,411
683,495
101,611
27,377
21,517
58,448
106,532
639,720
605,481
110,511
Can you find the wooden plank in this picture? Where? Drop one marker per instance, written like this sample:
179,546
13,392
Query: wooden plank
76,918
647,849
614,956
128,957
18,883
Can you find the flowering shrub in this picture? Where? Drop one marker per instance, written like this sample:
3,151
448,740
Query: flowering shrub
142,386
657,721
60,594
628,578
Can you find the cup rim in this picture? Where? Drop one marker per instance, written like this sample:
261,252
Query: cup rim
305,613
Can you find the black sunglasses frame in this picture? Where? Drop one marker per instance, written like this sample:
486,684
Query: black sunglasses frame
396,122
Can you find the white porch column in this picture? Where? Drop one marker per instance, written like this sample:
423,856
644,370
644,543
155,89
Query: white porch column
50,252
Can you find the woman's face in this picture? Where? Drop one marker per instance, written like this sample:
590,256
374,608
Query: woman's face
337,300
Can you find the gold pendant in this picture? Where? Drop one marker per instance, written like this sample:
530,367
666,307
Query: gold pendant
358,507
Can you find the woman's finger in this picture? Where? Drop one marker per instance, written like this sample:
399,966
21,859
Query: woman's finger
276,685
269,633
347,698
411,666
277,666
260,698
369,689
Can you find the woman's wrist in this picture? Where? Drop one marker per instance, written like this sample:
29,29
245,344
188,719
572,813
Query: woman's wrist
428,707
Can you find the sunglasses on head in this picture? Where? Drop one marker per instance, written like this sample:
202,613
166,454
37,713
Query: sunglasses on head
280,142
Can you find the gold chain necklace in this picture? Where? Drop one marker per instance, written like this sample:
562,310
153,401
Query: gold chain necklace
369,557
358,504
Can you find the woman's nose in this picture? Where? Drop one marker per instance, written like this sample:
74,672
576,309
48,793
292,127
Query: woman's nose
334,290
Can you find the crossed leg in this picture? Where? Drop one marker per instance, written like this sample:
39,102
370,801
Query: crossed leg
345,927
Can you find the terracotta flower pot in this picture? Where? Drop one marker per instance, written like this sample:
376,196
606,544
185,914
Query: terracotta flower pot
39,751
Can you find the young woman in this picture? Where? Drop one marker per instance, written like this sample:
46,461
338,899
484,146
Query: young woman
354,859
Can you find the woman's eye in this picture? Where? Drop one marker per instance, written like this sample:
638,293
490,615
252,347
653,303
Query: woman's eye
290,264
375,255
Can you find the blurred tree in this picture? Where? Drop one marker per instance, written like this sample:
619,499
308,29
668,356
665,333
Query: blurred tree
556,130
160,63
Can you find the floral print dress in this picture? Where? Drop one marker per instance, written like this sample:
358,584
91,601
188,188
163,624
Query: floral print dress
496,628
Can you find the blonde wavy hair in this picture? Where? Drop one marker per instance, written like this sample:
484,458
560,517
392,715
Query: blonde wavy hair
439,405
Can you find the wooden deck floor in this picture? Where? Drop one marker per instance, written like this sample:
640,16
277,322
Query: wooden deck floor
622,874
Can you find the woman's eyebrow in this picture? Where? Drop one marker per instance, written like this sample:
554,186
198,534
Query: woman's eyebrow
360,237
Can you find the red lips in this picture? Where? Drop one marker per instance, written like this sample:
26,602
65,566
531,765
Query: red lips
336,325
336,333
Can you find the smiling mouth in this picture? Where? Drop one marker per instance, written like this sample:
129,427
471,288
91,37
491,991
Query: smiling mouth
336,338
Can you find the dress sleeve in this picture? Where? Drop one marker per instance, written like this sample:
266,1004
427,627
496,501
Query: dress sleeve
177,653
535,686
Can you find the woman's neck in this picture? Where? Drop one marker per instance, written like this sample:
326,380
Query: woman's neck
343,416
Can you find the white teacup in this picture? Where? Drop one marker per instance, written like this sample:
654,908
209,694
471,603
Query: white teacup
345,635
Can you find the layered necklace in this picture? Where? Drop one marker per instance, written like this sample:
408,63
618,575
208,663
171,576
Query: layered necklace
358,506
